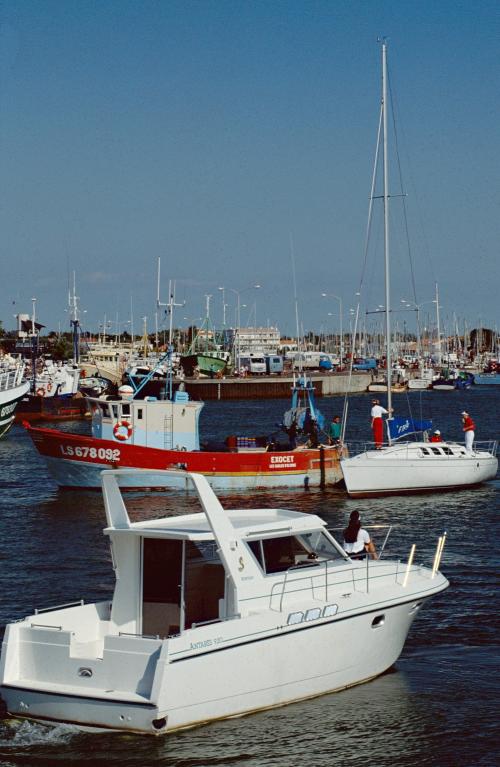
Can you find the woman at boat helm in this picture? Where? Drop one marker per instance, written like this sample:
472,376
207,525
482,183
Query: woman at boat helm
377,412
357,541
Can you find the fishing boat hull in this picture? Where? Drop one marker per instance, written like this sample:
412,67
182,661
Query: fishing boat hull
204,364
417,467
33,407
76,460
382,388
9,401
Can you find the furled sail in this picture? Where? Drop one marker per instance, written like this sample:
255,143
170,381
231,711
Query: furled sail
402,427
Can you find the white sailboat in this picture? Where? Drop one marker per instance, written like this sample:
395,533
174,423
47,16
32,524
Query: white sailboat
411,466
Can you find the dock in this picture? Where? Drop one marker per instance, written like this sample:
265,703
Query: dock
266,387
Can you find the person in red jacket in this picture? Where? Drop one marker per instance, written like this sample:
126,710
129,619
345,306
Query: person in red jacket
436,436
469,428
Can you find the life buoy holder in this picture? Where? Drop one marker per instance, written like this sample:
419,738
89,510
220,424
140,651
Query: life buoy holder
40,392
118,432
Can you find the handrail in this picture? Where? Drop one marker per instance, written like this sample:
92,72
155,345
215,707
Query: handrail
389,529
357,447
79,603
281,585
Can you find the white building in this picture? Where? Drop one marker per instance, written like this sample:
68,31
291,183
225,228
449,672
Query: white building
256,340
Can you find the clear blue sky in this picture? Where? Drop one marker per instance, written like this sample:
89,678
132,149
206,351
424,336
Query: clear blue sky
210,133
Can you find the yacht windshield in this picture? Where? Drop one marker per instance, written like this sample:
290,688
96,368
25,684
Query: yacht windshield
275,555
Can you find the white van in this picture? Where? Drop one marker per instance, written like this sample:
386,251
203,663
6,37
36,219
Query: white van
253,364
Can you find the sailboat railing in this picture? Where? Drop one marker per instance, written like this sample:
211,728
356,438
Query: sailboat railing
435,449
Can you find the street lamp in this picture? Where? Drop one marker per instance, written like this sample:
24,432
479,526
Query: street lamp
341,344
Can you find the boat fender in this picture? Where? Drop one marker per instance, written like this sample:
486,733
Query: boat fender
40,392
118,430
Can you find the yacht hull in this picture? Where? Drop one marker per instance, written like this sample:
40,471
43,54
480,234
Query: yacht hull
9,402
250,675
402,470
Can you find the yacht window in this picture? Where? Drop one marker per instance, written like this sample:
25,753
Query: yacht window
425,451
436,451
446,450
256,549
105,410
139,414
114,408
275,555
125,409
282,553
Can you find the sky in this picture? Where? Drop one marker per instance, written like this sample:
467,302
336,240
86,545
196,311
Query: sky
235,141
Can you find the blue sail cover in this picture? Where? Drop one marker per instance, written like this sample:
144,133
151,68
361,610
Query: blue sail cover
401,427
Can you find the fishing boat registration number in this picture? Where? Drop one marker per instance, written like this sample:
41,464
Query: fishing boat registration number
104,453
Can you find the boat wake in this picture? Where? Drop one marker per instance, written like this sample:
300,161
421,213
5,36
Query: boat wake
16,733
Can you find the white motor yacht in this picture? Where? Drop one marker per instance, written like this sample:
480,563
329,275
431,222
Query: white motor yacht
214,614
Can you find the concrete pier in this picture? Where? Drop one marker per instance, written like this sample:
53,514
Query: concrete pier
269,387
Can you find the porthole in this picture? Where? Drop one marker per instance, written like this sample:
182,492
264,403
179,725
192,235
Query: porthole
378,621
295,618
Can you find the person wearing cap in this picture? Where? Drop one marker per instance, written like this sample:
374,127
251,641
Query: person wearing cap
357,541
469,428
436,436
377,412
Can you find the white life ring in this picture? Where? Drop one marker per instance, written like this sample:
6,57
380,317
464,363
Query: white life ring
118,431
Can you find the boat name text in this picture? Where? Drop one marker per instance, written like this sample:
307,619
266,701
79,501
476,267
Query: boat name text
8,409
288,459
205,643
104,453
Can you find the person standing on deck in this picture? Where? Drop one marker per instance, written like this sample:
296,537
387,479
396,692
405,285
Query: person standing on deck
377,422
469,428
335,430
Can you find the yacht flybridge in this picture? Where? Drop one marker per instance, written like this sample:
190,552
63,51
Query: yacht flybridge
214,614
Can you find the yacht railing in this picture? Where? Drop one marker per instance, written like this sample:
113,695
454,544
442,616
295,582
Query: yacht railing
11,378
446,449
325,580
389,529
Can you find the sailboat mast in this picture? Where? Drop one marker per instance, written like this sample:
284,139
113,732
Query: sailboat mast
386,231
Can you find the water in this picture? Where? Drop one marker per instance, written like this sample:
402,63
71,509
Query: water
437,706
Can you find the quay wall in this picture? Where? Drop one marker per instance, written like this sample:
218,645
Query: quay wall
271,387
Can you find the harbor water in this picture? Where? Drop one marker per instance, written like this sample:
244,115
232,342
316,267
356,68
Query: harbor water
437,706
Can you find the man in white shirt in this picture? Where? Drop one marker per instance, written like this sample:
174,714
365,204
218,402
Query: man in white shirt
377,423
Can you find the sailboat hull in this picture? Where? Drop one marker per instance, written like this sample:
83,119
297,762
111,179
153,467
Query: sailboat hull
415,468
